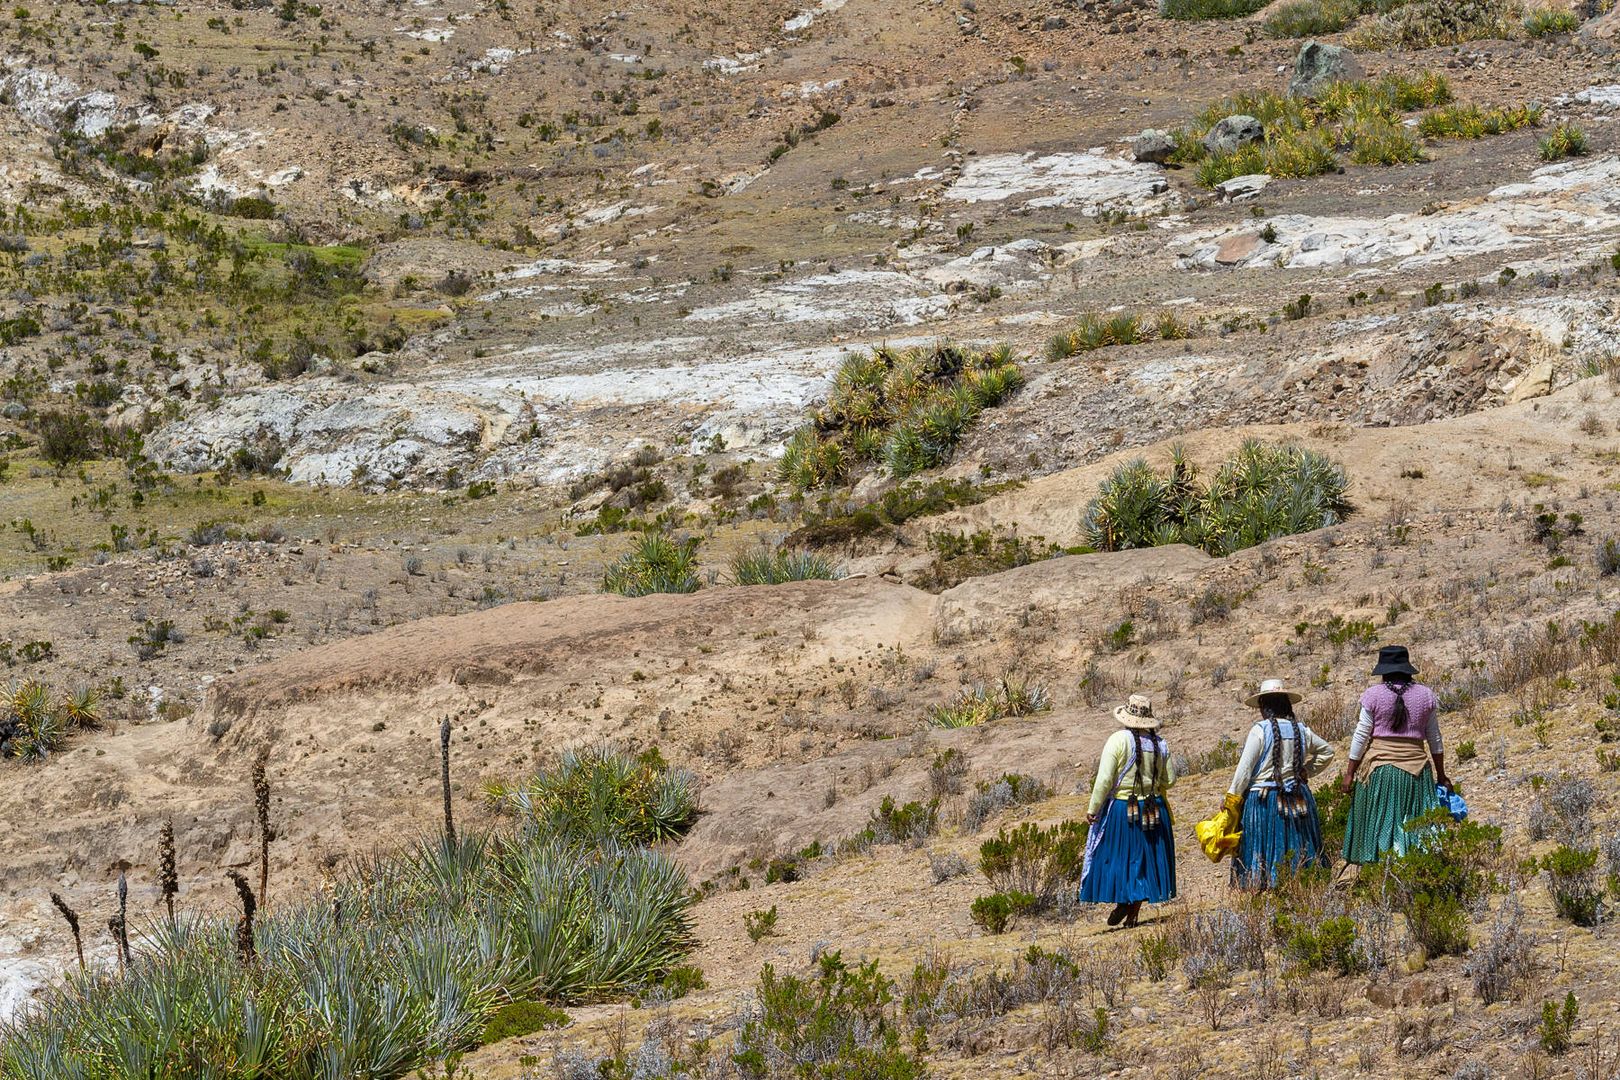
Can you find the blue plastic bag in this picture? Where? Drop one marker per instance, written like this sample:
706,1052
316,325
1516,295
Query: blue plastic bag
1452,802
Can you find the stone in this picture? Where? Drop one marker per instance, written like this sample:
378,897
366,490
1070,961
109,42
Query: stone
1534,383
1153,146
1235,249
1318,66
1232,132
1240,188
1407,994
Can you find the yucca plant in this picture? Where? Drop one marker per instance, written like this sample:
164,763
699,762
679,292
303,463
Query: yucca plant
1128,509
603,793
657,564
1563,141
781,565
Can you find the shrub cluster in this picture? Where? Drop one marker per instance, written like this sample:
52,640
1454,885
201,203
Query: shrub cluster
1209,9
1093,331
1028,867
1310,18
1301,135
600,793
992,796
981,703
1472,122
906,409
1424,24
839,1022
1263,492
782,565
1450,868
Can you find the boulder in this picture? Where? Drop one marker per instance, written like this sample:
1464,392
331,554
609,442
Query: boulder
1233,132
1153,146
1318,66
1240,188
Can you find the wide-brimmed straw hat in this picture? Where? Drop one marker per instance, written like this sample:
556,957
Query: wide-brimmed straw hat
1394,659
1137,712
1269,687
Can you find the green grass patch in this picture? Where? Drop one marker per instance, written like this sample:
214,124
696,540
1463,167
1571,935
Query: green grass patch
781,565
1563,141
904,409
1263,492
1209,9
1094,331
1473,122
1545,22
1309,18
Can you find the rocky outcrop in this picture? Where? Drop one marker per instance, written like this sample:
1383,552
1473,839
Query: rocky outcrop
1318,66
1233,132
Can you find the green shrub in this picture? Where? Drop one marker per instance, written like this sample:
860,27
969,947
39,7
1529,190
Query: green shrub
895,507
1157,952
1472,122
1093,331
599,793
837,1024
1544,22
907,409
1309,18
1558,1025
1424,24
1035,861
1563,141
1449,867
1467,751
1380,141
522,1018
899,823
1329,945
67,438
1573,880
760,924
995,912
782,565
33,726
656,564
1261,493
1209,9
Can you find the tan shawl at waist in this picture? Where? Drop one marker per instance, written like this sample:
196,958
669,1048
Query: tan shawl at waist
1408,755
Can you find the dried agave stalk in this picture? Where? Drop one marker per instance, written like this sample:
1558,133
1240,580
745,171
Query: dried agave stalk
72,919
261,806
123,917
444,779
168,873
244,925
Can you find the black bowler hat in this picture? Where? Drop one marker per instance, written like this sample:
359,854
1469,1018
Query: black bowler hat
1394,659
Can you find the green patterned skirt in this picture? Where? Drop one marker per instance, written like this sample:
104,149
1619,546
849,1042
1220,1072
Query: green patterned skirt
1380,807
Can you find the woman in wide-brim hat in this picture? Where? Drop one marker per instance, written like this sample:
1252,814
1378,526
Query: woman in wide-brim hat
1130,852
1396,759
1281,829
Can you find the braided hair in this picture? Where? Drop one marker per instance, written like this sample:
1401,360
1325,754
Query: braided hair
1399,683
1275,708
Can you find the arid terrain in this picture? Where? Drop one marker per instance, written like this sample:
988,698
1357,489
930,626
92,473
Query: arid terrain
344,349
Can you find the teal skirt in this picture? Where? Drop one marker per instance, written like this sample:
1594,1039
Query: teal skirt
1272,842
1380,807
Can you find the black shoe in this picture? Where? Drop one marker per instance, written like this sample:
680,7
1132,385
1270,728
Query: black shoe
1119,913
1131,914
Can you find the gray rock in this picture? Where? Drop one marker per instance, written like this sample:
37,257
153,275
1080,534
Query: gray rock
1233,132
1240,188
14,410
1154,146
1318,66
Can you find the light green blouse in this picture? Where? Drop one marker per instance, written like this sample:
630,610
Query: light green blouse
1115,752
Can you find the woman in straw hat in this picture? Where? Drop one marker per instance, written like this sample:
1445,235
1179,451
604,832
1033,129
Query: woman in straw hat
1130,855
1396,758
1279,822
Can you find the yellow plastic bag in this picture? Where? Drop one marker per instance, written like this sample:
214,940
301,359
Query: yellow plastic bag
1219,835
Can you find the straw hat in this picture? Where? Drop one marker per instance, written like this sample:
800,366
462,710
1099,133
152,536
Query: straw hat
1137,713
1269,687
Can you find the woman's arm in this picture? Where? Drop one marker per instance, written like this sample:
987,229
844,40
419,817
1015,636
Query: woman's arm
1437,748
1358,749
1109,763
1243,778
1318,753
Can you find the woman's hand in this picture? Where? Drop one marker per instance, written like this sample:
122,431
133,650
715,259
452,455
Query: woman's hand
1091,819
1346,782
1444,781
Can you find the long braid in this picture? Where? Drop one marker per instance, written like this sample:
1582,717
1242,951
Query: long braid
1399,686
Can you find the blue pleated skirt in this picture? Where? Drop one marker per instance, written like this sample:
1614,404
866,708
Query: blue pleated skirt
1131,863
1271,841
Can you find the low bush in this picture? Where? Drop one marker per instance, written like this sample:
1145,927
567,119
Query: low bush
1506,959
1036,861
993,796
1572,878
959,556
1209,9
1563,141
1263,492
905,409
602,793
1545,22
1093,331
1450,867
1011,695
895,507
1328,945
1558,1024
1472,122
657,564
1424,24
1309,18
522,1018
760,924
995,912
903,823
782,565
837,1023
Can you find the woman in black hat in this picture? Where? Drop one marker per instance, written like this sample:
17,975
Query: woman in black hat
1398,755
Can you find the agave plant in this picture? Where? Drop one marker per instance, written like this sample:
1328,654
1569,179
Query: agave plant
781,565
1128,509
657,564
602,793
